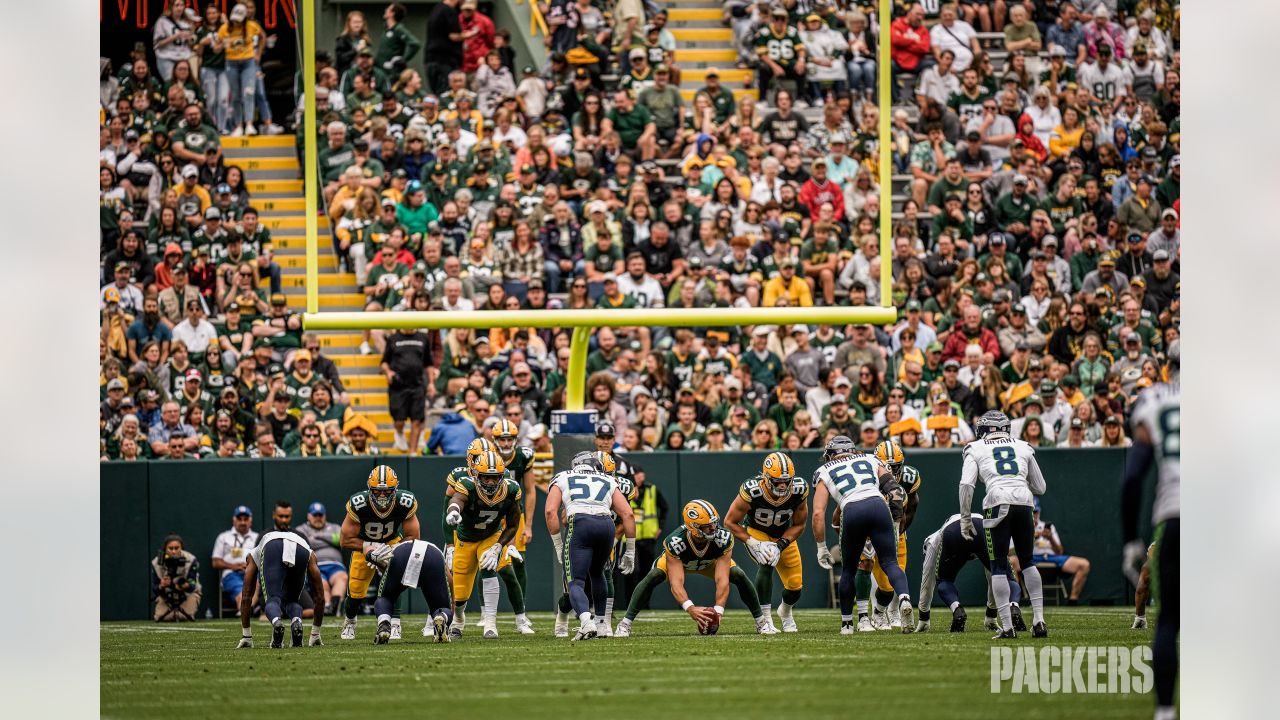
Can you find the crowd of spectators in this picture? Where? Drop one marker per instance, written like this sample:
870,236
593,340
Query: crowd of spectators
1034,251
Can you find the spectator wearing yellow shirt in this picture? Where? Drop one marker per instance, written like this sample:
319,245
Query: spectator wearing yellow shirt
237,35
1066,137
786,284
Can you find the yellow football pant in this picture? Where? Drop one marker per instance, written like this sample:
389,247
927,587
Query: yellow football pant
789,568
706,572
882,580
361,574
466,563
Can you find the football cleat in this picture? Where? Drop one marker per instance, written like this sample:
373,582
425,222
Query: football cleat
879,620
562,624
1039,630
491,632
905,622
277,636
700,519
440,629
623,630
958,619
455,630
1018,623
383,635
846,628
765,627
295,632
922,625
1009,634
990,624
348,629
1139,622
604,628
789,624
524,627
864,625
586,631
396,633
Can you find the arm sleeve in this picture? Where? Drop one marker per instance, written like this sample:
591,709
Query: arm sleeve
929,573
968,478
1035,480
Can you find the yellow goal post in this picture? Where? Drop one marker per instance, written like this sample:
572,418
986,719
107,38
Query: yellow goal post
584,321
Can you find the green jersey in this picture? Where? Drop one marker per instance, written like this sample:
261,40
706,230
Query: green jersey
377,526
520,462
768,514
482,516
698,557
682,368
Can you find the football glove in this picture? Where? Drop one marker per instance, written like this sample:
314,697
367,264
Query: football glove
245,642
627,563
513,554
490,558
315,637
771,553
824,556
371,552
557,542
381,556
756,549
448,557
1135,554
967,530
453,518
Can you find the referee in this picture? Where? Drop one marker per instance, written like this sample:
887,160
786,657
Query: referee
404,362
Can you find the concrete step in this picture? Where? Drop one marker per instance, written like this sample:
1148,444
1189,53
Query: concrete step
273,205
370,381
727,75
344,281
326,262
683,15
237,155
738,93
258,142
269,163
725,56
346,363
258,184
719,34
328,301
292,221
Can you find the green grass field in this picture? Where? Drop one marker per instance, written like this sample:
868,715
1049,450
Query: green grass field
665,670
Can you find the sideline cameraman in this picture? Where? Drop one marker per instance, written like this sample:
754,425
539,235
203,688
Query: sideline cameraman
175,582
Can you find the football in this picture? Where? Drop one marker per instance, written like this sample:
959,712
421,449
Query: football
710,628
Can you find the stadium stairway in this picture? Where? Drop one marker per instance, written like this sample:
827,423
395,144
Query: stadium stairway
703,42
271,171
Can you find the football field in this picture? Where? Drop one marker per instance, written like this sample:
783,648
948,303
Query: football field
665,670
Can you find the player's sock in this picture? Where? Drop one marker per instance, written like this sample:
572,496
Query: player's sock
585,616
764,587
1031,576
385,617
862,590
1000,588
746,590
1165,712
766,609
490,591
351,607
563,604
954,605
522,577
272,610
515,590
846,618
789,597
608,609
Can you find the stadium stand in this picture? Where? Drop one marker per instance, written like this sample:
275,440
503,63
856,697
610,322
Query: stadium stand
722,155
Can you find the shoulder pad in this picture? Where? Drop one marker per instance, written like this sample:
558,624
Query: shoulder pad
800,487
514,490
626,487
464,486
751,489
407,500
722,538
527,452
911,479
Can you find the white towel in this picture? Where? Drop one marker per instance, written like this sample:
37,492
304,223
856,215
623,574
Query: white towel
289,552
414,568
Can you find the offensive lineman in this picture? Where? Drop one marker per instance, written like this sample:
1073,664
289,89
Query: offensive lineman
482,517
415,564
775,509
870,502
946,552
1008,469
589,494
282,563
1157,422
889,453
377,517
699,546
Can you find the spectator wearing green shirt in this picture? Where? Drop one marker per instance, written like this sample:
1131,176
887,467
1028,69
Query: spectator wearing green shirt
398,45
722,103
952,182
415,213
766,367
334,158
783,412
928,157
634,125
820,260
1013,209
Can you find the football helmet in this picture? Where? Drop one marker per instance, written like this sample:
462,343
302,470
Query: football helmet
382,485
700,519
890,453
778,471
479,446
992,421
504,436
608,465
587,459
838,446
487,468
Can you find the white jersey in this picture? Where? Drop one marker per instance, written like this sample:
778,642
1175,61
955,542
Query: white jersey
1159,409
585,492
1008,469
233,547
289,537
1106,84
851,479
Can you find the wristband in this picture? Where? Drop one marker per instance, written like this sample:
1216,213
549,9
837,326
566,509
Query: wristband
719,609
686,605
783,543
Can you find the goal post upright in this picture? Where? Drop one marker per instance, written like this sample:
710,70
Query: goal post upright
884,72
